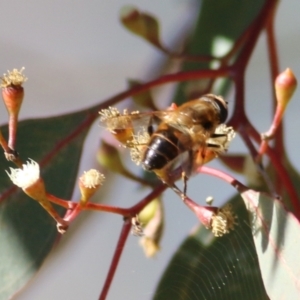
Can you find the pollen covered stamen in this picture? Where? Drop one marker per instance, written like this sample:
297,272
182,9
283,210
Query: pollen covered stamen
14,77
137,145
137,226
221,138
92,178
223,221
27,176
89,183
114,120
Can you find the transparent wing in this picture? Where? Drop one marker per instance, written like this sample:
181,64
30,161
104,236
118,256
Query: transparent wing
112,119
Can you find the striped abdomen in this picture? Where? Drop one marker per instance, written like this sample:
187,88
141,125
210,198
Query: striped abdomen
163,147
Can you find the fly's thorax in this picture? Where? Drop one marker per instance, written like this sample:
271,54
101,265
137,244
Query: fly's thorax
199,118
207,110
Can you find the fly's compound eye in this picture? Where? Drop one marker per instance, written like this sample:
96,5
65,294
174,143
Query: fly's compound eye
220,104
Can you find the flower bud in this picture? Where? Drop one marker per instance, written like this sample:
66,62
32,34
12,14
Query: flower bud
285,85
109,157
220,221
152,219
89,183
149,211
209,200
13,94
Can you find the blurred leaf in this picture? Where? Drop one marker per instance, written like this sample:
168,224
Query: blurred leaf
143,99
205,267
27,232
109,158
235,162
294,177
141,24
152,220
218,22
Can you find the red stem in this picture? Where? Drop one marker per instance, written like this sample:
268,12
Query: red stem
260,167
127,212
224,176
64,203
281,171
12,125
4,144
272,53
169,78
115,261
92,113
76,208
259,24
274,70
239,67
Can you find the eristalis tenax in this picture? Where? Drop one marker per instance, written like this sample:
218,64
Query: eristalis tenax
190,135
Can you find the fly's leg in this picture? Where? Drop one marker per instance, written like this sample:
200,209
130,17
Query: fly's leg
217,141
217,135
163,174
213,146
181,194
184,179
188,169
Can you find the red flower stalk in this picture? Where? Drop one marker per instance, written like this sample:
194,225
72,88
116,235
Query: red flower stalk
13,94
219,220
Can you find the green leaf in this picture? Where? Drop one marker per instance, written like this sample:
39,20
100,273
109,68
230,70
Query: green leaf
206,267
110,158
143,99
276,234
259,255
27,232
218,22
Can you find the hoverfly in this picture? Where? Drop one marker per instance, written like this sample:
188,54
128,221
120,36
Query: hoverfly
194,129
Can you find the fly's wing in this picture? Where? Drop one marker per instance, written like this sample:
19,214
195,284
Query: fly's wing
126,127
112,119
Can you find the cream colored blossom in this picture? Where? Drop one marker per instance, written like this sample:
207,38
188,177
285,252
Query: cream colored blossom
92,178
27,176
89,183
14,77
